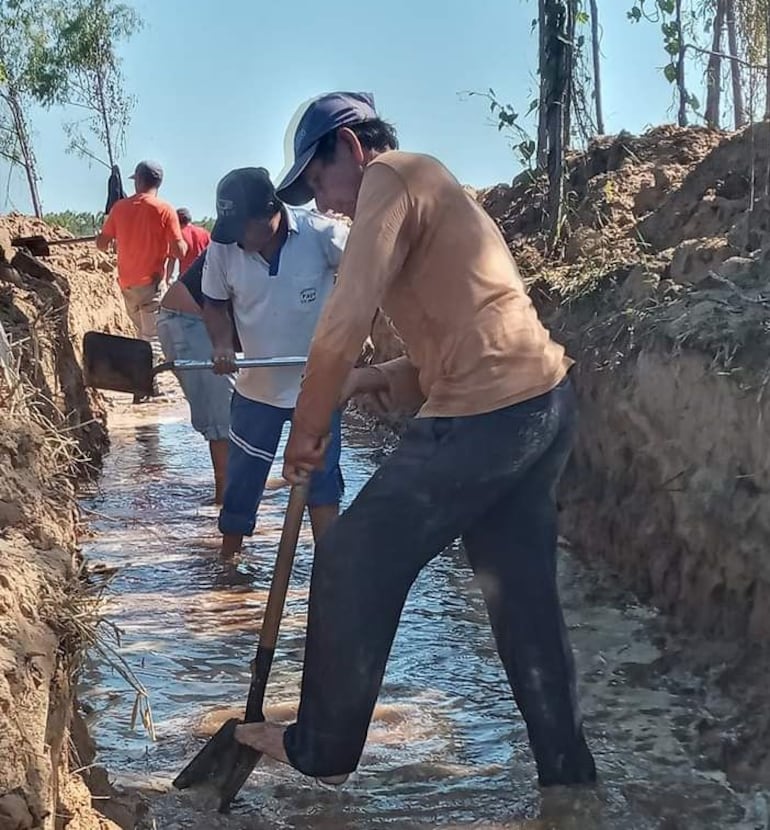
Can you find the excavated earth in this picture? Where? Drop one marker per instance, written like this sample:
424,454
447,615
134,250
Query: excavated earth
52,434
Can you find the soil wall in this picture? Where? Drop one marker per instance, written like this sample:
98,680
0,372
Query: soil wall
52,431
659,288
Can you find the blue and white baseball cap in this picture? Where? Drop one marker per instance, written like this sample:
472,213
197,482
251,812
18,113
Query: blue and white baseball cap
313,120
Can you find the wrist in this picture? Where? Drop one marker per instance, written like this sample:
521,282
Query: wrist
302,428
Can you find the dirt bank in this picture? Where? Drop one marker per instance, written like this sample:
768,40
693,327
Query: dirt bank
660,292
52,431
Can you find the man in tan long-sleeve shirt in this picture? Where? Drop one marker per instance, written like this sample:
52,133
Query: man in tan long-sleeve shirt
481,460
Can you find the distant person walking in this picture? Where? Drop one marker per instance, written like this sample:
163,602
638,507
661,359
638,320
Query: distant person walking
146,232
197,239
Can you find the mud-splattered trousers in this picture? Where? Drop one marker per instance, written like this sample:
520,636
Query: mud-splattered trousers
489,479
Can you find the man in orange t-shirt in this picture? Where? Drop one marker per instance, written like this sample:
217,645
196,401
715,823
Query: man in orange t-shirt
197,239
146,230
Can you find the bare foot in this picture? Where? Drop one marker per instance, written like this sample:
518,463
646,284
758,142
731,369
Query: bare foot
264,737
268,739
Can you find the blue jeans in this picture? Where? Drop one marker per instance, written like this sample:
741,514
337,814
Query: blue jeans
184,337
255,431
491,480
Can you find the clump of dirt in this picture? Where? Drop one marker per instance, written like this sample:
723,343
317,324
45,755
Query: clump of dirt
52,431
667,239
611,187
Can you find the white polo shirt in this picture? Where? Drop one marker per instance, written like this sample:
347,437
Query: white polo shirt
276,305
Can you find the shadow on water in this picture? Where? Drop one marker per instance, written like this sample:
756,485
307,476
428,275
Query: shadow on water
446,748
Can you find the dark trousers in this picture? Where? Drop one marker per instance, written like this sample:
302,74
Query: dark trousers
489,479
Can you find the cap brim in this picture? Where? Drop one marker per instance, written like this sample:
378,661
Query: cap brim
228,230
292,189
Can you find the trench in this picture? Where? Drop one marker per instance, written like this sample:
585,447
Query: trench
447,747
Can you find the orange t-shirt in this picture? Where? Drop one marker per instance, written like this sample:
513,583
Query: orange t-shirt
143,226
197,240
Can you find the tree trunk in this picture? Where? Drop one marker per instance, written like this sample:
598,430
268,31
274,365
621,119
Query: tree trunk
767,62
542,113
680,81
568,61
735,67
105,116
25,148
556,80
714,71
597,67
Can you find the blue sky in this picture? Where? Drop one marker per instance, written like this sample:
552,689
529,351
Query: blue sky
216,84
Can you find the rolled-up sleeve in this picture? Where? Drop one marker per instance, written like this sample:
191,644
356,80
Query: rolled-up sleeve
376,249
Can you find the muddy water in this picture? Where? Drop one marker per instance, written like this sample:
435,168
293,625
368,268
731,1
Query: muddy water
447,747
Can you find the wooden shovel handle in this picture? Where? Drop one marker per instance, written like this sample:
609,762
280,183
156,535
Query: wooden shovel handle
268,636
292,524
77,240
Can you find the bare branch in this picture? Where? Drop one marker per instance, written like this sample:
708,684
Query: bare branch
708,52
8,157
79,104
84,151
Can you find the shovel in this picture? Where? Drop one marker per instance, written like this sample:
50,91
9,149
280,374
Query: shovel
40,246
124,364
223,763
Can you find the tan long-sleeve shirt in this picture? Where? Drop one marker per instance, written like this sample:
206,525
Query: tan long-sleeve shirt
426,253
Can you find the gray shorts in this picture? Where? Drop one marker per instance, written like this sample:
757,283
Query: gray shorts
184,337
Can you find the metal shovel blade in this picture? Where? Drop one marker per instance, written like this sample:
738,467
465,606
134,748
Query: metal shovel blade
223,765
213,761
36,245
120,364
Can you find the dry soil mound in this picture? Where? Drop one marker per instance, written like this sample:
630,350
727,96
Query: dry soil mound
52,429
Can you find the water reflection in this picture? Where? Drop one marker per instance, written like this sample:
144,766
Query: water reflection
446,748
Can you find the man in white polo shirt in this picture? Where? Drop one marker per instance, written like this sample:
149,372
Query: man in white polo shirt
276,265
